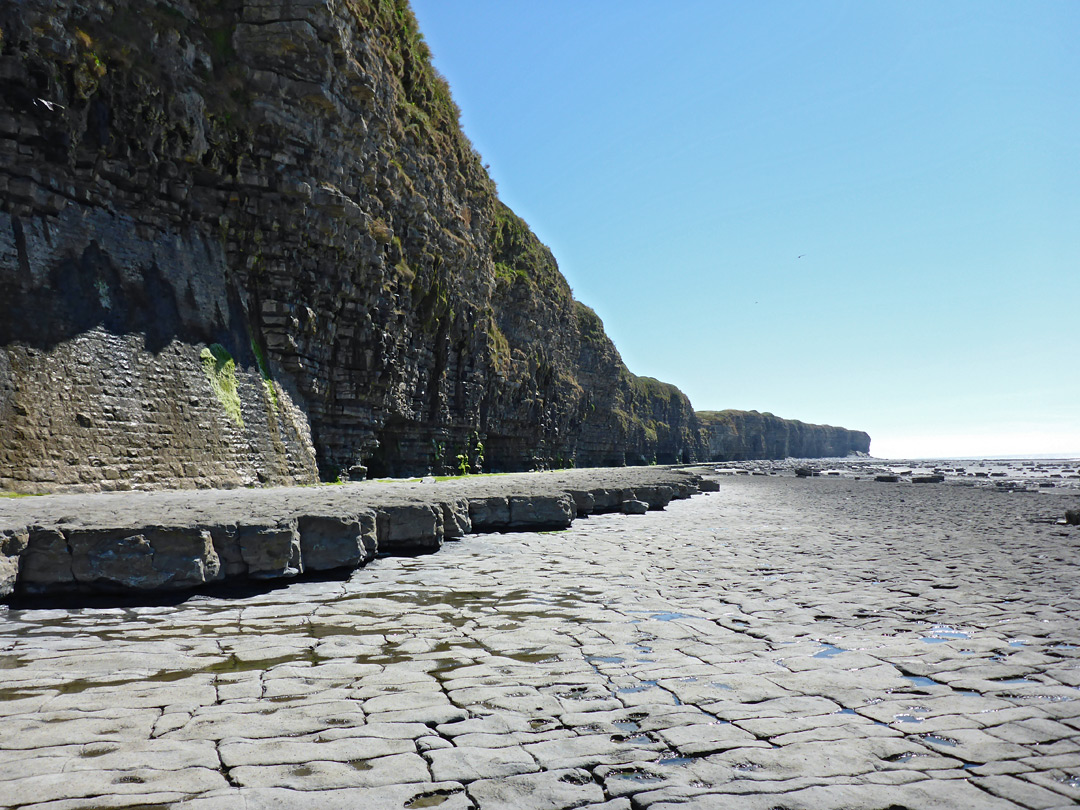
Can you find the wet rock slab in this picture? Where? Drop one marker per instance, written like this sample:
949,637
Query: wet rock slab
161,541
780,642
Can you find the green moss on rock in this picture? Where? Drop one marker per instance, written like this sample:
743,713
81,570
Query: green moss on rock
220,370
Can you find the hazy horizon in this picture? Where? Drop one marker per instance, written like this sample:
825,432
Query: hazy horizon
845,213
993,457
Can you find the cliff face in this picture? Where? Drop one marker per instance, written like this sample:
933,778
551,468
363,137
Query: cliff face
745,435
245,241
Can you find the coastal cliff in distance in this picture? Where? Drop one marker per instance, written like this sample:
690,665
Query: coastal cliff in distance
749,435
248,243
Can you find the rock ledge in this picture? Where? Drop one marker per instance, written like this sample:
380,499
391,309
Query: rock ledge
177,540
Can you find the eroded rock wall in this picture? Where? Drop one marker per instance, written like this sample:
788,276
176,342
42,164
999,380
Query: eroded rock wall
744,435
245,241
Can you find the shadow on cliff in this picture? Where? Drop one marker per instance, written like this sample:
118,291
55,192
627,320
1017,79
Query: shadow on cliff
86,292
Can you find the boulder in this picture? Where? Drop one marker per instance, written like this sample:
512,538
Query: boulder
456,520
270,550
46,563
541,512
409,528
606,500
490,514
634,507
135,558
584,502
336,541
657,497
1072,517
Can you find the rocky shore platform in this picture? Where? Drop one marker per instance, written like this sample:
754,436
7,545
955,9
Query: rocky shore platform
1002,475
184,539
809,643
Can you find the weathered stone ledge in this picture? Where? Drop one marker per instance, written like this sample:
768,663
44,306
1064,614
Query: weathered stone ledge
177,540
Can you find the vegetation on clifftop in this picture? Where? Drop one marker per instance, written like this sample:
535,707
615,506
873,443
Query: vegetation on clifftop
518,254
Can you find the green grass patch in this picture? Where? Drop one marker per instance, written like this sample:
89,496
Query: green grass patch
220,370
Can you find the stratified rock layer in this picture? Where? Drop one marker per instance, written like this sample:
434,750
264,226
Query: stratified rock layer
167,541
745,435
247,242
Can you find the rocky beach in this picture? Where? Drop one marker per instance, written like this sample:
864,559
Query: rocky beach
807,642
249,261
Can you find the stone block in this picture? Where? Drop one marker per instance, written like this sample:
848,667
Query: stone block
584,502
409,529
271,549
143,558
336,541
657,497
13,543
46,563
606,500
536,512
227,547
489,514
456,520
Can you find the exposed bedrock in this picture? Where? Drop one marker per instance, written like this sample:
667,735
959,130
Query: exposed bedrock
745,435
168,541
246,242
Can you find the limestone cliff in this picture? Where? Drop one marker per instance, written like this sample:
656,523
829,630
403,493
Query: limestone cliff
745,435
246,241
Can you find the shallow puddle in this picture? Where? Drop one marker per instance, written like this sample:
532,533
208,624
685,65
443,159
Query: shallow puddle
829,651
937,739
636,775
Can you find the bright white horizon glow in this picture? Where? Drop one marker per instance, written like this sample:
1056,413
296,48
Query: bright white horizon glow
977,445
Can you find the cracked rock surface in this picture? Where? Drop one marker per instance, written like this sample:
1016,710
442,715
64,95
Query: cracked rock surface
781,642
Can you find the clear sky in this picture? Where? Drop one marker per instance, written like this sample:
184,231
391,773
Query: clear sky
859,213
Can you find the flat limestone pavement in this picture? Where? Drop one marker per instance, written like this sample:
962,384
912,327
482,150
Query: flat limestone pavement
783,642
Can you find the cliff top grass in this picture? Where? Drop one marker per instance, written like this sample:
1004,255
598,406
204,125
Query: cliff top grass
729,416
730,413
519,255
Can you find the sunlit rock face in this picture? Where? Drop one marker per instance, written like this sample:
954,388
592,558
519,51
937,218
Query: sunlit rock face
247,242
744,435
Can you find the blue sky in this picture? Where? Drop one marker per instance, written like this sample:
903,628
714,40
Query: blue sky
863,214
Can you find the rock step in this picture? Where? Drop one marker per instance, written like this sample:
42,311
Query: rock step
169,541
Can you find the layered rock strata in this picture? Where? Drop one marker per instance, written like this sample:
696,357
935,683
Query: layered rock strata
747,435
246,242
168,541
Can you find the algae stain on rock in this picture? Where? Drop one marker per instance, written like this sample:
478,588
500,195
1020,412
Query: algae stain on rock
220,369
264,372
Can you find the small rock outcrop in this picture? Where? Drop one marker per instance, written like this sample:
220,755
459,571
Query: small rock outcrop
747,435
